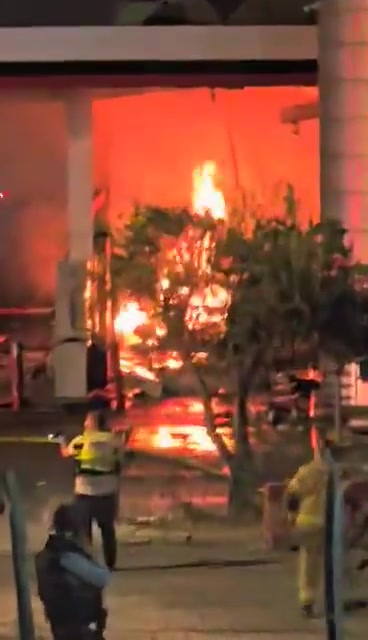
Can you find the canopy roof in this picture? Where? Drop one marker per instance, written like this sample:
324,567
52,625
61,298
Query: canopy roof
24,13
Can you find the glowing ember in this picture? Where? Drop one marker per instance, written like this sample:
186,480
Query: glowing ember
207,199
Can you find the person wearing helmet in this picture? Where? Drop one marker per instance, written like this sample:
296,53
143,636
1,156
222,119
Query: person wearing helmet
70,583
306,505
97,455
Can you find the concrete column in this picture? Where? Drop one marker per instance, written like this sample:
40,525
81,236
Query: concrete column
69,357
79,177
343,61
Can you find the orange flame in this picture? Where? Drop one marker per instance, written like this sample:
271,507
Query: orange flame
128,320
206,198
206,307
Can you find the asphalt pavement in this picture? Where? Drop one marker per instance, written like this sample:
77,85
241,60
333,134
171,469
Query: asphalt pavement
204,592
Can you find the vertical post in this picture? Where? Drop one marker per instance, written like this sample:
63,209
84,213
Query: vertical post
333,573
13,370
79,176
113,349
337,407
100,248
20,559
70,352
16,371
343,85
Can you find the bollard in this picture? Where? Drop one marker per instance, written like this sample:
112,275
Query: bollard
333,566
19,556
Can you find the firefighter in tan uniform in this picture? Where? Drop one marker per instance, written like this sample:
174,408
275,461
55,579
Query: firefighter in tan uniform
306,504
97,456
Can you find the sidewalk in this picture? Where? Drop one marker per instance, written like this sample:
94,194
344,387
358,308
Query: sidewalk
204,590
227,593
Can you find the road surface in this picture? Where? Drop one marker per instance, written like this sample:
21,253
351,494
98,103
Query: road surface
209,591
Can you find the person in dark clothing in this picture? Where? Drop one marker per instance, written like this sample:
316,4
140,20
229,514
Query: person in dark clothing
70,583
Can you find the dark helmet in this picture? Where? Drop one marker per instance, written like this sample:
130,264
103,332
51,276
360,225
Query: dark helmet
65,519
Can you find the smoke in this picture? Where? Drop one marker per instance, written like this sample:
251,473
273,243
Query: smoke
33,240
145,149
32,216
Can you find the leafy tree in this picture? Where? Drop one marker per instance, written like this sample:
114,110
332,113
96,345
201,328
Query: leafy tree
294,293
289,289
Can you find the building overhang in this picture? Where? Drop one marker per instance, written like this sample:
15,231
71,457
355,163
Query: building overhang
231,56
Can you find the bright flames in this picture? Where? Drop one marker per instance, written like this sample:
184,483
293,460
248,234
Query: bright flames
209,306
207,199
206,307
128,320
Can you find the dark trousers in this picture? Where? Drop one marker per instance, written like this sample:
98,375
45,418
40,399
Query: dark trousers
102,510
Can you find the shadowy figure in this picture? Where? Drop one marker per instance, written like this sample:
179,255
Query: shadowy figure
70,583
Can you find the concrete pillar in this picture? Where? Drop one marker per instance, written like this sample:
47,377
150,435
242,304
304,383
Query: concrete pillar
79,177
69,356
343,62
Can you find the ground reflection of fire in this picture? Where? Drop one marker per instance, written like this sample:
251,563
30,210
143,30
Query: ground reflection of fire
192,438
176,427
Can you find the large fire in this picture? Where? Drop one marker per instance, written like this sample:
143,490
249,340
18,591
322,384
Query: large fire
206,198
128,320
207,306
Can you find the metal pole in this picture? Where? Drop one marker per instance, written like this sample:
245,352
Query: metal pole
20,559
333,568
337,408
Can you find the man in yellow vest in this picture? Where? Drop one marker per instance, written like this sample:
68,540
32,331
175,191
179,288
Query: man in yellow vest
306,504
97,456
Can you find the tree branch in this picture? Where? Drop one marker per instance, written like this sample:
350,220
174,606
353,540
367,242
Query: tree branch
222,448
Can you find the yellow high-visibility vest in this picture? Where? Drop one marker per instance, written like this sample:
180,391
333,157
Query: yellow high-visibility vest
96,452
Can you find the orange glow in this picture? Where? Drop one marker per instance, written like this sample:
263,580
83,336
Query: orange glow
193,438
130,365
146,131
171,360
138,136
128,320
164,439
145,148
207,199
207,306
176,426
